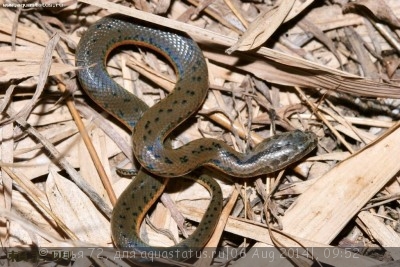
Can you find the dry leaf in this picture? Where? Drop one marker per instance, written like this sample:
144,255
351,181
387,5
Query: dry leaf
383,233
308,26
333,200
263,27
23,206
378,8
283,70
76,210
298,8
19,70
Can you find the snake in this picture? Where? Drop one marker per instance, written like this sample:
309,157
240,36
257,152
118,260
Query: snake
151,126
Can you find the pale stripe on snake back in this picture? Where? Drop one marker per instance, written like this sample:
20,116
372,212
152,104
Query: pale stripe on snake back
154,125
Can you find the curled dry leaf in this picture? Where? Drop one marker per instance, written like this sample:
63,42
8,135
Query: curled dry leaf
378,8
263,27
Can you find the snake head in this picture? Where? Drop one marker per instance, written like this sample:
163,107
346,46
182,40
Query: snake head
282,150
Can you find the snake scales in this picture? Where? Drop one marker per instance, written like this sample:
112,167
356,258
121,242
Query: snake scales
151,126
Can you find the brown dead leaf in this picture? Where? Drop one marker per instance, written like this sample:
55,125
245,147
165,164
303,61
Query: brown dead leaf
76,210
378,8
308,26
18,70
356,44
330,202
298,7
262,27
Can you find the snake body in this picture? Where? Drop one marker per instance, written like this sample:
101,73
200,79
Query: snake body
151,126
